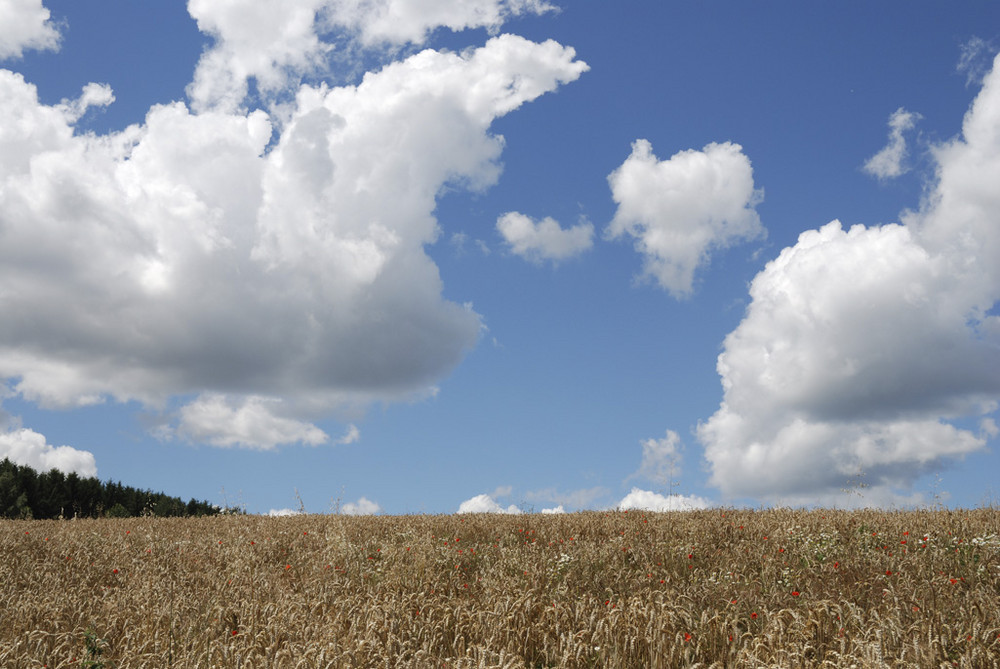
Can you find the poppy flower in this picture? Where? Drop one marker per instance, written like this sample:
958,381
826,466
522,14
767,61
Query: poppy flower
753,615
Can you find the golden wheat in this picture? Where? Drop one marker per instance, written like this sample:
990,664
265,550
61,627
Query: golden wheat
719,588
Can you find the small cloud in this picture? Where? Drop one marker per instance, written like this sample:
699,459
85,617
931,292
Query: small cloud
283,512
363,507
661,459
556,510
679,210
888,163
974,60
502,491
485,504
651,501
352,435
93,95
544,240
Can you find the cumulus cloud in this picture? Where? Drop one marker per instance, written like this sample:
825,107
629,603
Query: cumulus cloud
27,447
25,24
646,500
402,21
681,209
363,507
255,266
555,510
214,419
280,513
888,163
485,504
545,239
861,346
275,44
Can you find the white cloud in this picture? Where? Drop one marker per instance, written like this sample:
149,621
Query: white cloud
555,510
27,447
680,210
974,60
24,24
281,513
401,21
276,44
263,271
860,346
888,163
352,435
661,459
651,501
93,95
544,240
254,423
363,507
485,504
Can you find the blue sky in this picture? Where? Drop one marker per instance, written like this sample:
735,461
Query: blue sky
499,255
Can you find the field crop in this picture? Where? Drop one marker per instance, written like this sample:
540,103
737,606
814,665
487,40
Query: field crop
723,588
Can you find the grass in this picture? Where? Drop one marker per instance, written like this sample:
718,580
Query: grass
725,588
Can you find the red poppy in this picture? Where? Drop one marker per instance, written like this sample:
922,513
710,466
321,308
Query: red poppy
753,615
687,636
795,593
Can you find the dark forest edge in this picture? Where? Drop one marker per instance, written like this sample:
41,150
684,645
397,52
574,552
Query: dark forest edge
25,493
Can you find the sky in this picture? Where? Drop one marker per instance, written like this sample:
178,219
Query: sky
426,256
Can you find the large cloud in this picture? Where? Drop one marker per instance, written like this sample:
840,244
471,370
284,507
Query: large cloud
197,253
27,447
679,210
276,43
861,347
24,24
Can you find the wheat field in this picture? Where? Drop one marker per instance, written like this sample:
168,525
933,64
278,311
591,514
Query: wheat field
717,588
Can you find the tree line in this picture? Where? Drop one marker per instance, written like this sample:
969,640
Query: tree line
25,493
